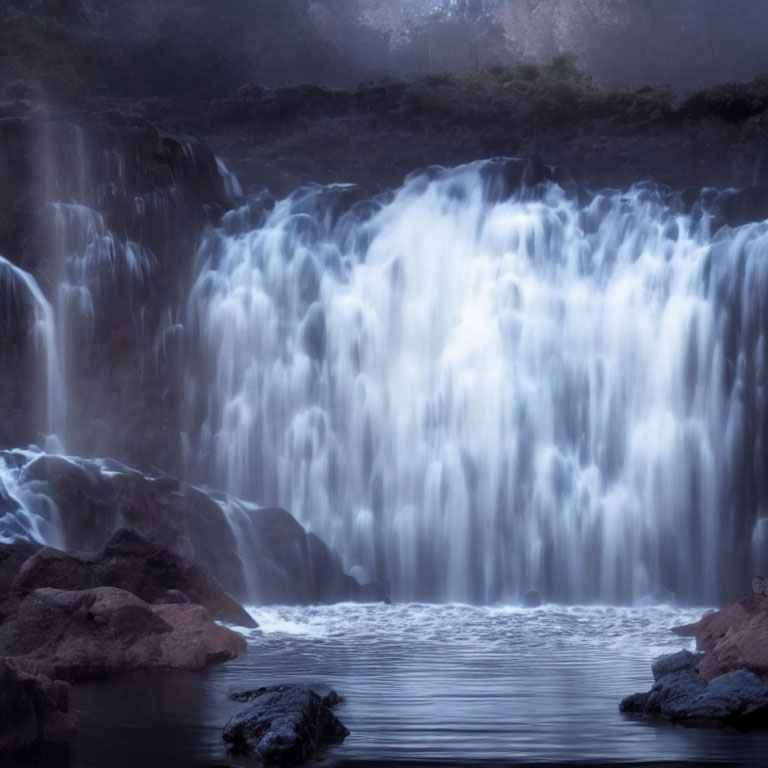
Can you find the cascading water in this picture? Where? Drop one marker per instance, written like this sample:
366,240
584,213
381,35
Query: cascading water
26,511
91,262
27,316
473,394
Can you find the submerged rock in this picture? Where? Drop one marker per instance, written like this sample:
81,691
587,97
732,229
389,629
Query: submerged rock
77,635
681,695
284,724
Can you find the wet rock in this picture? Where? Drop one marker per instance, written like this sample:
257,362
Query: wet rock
93,505
742,646
284,725
673,663
35,722
131,562
12,557
760,586
76,635
173,596
735,637
295,567
274,560
681,695
149,189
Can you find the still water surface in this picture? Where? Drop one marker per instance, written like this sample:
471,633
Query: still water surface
425,684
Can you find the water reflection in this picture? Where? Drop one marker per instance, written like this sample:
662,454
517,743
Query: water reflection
430,684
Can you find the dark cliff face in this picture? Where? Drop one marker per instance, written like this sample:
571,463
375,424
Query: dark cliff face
111,199
105,216
285,137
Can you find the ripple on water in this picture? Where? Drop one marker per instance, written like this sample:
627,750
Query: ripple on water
449,684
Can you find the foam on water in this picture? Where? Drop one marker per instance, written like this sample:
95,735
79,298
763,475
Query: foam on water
428,684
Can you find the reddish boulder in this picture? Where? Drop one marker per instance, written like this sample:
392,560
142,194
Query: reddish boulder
131,562
735,637
75,635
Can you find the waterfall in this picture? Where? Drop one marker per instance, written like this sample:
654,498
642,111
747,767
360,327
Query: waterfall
92,265
26,312
474,393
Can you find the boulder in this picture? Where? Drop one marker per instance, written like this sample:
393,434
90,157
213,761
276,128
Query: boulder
12,557
94,504
131,562
735,637
680,695
35,722
741,646
674,663
292,566
284,725
76,635
271,560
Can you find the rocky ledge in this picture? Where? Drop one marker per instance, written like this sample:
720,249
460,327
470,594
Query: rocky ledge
80,634
133,563
735,637
726,682
284,724
259,554
51,637
681,695
148,566
133,605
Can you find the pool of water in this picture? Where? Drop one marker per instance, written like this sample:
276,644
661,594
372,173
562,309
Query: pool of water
425,685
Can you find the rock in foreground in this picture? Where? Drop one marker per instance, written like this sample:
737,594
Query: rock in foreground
735,637
681,695
75,635
284,725
132,562
35,721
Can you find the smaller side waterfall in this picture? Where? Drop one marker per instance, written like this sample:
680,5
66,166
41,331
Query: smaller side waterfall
107,219
26,312
99,277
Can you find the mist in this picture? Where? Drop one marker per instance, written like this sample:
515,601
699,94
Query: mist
683,43
207,47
